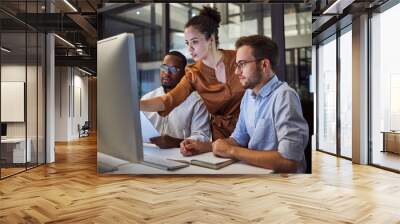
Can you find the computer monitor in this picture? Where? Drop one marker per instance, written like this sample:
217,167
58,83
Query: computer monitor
118,132
118,117
3,130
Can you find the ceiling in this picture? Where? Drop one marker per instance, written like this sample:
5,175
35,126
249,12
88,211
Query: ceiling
327,16
73,20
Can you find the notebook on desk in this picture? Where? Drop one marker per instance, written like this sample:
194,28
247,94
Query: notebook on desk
207,160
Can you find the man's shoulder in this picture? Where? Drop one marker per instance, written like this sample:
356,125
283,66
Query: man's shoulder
285,95
285,90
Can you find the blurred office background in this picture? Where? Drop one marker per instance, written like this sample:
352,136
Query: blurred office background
158,28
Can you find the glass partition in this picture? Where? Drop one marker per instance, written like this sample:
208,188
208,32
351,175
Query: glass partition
297,20
346,93
327,96
22,90
31,100
385,89
41,97
13,107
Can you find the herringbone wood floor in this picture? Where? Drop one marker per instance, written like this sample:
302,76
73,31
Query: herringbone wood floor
70,191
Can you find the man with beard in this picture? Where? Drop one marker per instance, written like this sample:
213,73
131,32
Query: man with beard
188,120
271,131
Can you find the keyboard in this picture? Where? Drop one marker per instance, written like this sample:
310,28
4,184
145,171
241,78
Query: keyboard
163,164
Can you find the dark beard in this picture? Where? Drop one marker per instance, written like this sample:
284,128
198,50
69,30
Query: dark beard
256,80
167,88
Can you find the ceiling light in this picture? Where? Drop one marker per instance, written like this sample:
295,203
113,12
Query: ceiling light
71,6
86,72
65,41
137,13
337,7
5,50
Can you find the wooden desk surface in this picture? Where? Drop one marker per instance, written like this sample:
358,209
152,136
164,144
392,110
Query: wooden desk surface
125,167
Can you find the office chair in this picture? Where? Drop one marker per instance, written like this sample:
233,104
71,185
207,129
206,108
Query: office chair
84,130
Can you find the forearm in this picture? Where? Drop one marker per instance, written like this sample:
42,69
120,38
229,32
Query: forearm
267,159
152,105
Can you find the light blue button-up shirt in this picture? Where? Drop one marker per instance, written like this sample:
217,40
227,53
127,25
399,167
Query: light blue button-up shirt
273,120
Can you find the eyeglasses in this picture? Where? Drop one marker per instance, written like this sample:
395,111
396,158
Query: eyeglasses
240,64
169,69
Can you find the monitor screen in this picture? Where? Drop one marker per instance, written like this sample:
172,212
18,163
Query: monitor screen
3,129
118,118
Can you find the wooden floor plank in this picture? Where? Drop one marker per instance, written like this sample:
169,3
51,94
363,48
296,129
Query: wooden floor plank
70,191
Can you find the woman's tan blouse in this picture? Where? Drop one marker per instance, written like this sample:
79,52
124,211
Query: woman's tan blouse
221,99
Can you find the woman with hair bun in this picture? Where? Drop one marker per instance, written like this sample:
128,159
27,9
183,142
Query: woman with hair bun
212,76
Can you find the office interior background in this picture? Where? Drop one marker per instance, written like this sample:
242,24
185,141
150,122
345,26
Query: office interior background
357,81
47,80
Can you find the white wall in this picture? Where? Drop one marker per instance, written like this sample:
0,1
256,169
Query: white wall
16,73
61,103
33,126
81,95
71,103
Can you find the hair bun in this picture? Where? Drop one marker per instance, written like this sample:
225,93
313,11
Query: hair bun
211,13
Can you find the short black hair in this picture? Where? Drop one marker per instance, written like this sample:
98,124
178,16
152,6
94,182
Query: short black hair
263,47
181,57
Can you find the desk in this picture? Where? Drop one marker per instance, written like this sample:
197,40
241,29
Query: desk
391,141
125,167
13,150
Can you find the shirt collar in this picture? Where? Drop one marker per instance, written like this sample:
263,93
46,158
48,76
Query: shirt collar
269,87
